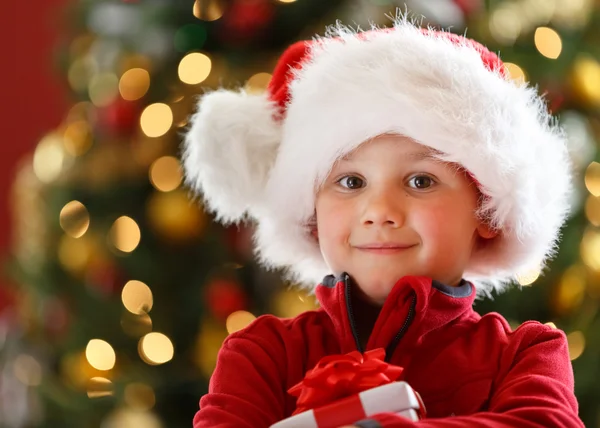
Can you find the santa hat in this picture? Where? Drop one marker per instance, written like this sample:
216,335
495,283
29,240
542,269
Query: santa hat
262,156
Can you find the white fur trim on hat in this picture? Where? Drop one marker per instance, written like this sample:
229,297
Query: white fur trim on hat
356,88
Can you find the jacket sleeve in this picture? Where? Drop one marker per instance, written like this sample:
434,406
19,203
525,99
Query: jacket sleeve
246,389
536,392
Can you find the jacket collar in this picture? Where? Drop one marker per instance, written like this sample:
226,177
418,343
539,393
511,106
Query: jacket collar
414,307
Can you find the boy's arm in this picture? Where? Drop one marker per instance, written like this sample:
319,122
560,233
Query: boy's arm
536,392
247,388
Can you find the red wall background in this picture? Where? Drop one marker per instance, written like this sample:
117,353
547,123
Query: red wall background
32,97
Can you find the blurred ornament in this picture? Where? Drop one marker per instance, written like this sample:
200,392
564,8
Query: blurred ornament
469,7
49,158
77,137
209,10
130,418
190,37
75,254
174,217
569,292
245,20
207,347
56,317
573,14
445,13
120,118
292,301
239,239
580,138
136,325
585,80
194,68
103,276
114,19
223,297
139,396
76,370
506,23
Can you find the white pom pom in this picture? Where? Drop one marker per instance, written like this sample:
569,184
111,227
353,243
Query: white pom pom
229,151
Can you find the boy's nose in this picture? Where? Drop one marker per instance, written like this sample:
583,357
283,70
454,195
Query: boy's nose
384,210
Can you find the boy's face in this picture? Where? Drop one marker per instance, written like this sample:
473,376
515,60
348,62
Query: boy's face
390,210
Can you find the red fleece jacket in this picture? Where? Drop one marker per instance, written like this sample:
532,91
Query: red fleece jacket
471,371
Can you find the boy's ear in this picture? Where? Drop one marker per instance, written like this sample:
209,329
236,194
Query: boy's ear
487,232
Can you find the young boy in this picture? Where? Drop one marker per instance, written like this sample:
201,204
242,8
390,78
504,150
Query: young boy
405,168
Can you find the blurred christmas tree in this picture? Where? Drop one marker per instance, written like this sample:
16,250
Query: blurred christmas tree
126,289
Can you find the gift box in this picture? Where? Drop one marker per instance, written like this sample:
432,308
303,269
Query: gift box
396,397
343,389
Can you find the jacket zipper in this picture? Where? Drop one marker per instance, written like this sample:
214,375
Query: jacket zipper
394,343
407,322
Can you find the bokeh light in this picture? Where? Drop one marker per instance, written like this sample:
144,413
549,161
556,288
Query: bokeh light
100,355
155,348
99,387
576,342
103,89
139,396
238,320
592,178
77,138
209,10
156,120
515,72
49,158
548,42
28,370
134,84
74,219
137,297
528,278
194,68
166,173
125,234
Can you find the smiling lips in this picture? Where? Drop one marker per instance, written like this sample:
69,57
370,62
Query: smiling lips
383,247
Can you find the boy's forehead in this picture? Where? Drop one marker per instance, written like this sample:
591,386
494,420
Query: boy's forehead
405,148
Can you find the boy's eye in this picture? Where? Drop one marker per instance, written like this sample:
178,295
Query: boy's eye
351,182
421,182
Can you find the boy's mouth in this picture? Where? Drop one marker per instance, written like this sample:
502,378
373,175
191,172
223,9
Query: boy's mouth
383,247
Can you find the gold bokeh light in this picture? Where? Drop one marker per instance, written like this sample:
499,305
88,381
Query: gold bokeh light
528,278
74,219
125,234
258,83
166,173
515,72
209,10
194,68
99,387
156,120
139,396
238,320
100,355
548,42
590,249
592,178
77,138
155,348
134,84
576,342
49,158
137,297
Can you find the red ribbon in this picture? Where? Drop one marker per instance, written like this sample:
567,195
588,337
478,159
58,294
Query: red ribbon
339,376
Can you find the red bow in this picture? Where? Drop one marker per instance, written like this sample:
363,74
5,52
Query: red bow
339,376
